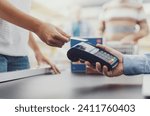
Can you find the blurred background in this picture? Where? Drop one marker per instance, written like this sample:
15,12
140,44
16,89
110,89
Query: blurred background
63,12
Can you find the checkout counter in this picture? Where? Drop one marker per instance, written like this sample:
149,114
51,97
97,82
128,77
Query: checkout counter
44,85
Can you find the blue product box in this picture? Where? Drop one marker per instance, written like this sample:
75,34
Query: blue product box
77,67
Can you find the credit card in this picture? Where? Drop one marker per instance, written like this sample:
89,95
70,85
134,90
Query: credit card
79,39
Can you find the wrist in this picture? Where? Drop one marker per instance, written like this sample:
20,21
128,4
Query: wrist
133,65
37,26
121,65
37,52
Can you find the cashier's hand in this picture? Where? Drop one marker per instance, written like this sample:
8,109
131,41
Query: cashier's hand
91,70
52,35
41,59
116,71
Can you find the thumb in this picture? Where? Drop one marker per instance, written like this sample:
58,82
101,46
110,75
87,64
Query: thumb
104,47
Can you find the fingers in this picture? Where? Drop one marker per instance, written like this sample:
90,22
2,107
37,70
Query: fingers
104,47
55,43
106,72
88,64
63,33
110,50
98,67
53,67
57,70
46,61
61,37
52,35
90,69
57,40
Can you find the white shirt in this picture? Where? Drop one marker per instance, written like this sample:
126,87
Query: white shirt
116,10
14,39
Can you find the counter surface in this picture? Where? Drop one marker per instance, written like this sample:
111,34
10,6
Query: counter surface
68,85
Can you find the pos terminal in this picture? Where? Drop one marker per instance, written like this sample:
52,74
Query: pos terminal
86,52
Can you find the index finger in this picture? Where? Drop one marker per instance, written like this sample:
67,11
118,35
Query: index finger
53,67
63,33
108,49
62,38
106,72
103,47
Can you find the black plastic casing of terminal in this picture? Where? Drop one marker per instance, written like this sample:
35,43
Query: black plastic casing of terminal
78,52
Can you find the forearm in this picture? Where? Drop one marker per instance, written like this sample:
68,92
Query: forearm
135,64
101,28
101,33
144,31
33,44
13,15
138,35
135,36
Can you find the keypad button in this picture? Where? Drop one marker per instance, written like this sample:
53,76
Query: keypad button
94,51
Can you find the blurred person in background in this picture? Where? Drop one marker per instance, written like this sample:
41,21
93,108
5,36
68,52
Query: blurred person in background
15,36
119,19
118,22
78,26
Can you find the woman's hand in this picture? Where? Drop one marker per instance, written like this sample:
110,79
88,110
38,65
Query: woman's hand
52,35
41,59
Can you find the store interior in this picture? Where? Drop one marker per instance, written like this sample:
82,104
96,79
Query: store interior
62,12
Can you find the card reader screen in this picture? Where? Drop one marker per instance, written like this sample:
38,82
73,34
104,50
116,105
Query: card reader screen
86,47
